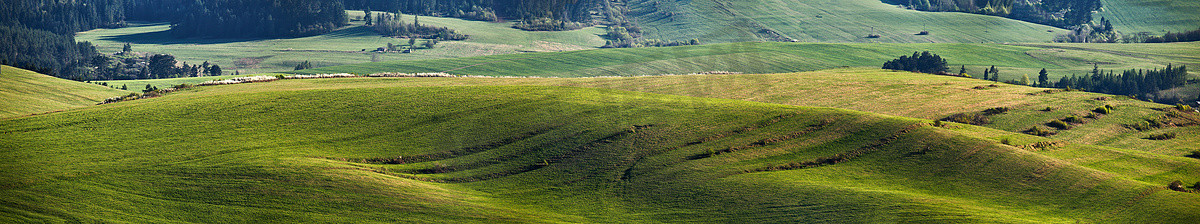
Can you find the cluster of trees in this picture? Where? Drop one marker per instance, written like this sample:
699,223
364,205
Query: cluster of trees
1101,32
257,18
1144,84
134,66
45,52
923,62
392,24
1170,37
1058,13
548,24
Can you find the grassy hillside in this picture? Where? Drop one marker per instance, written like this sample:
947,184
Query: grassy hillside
343,46
752,57
873,90
354,152
825,21
1156,16
25,92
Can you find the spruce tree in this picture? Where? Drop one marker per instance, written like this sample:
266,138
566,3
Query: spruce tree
962,70
1043,78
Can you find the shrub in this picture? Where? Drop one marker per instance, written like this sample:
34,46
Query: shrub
1048,109
938,123
995,111
1059,125
969,118
1073,119
1006,141
1163,136
1092,116
1183,108
1103,110
1039,131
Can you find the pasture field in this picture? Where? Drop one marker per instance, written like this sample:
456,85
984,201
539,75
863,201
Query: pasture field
1014,61
1155,16
357,149
25,92
719,21
348,45
878,91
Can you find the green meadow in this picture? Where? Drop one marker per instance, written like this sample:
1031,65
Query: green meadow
362,151
25,92
349,45
719,21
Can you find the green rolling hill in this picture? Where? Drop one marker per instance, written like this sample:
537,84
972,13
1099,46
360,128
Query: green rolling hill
1155,16
362,152
716,21
26,92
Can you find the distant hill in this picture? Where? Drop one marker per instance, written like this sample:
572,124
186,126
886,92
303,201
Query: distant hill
25,92
356,153
717,21
1155,16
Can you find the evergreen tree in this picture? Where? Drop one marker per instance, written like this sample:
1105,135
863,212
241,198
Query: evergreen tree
127,48
986,72
1043,78
367,16
215,70
962,70
412,42
123,87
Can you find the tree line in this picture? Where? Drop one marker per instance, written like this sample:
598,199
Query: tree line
1144,84
923,62
393,25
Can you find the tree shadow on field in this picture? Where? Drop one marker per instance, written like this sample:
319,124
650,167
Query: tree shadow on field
163,37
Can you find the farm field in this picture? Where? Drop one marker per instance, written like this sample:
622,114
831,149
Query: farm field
718,21
1155,16
373,152
25,92
1014,61
872,90
348,45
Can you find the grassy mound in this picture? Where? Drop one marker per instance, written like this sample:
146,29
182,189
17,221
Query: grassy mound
337,153
878,91
25,92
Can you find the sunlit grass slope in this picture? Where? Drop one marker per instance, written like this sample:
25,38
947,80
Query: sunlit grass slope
880,91
751,57
716,21
344,46
24,92
274,152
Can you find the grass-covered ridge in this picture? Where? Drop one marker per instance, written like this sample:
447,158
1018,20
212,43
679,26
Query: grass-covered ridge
25,92
349,152
879,91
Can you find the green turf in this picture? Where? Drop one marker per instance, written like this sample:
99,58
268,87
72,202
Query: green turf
343,46
306,151
715,21
873,90
25,92
751,57
1155,16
